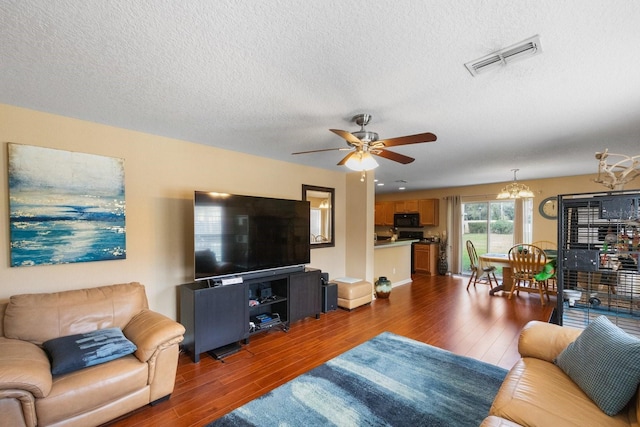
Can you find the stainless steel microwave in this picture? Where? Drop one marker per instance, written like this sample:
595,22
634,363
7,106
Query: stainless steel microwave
406,220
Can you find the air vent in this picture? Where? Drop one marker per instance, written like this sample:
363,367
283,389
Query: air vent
525,49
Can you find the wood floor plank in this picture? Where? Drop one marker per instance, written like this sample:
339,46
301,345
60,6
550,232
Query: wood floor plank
437,310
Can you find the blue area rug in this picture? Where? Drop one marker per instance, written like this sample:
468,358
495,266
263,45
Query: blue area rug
389,380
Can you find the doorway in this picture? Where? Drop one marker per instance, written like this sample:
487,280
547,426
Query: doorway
490,226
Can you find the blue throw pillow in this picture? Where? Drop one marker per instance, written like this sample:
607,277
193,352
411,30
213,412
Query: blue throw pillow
73,352
605,363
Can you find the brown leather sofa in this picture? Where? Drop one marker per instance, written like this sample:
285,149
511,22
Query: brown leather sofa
536,392
30,395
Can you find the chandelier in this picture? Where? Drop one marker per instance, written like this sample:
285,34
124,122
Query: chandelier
515,190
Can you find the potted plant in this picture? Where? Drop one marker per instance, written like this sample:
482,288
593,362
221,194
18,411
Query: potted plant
443,265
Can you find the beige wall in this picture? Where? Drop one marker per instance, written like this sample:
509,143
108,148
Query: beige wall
160,177
359,232
543,229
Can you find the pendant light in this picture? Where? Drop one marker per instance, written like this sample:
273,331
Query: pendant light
515,190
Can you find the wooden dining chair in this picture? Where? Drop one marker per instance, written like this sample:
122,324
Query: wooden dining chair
545,244
488,273
548,246
527,261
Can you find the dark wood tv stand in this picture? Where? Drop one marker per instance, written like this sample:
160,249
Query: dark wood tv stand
218,316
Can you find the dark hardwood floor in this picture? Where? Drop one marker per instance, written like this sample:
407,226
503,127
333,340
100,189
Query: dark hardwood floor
436,310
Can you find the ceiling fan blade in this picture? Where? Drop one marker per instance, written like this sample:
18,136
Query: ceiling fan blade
348,136
347,157
400,158
409,139
324,149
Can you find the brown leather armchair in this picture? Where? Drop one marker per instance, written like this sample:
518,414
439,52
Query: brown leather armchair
30,395
536,392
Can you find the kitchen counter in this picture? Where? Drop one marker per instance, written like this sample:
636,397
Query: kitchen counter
425,257
391,244
394,262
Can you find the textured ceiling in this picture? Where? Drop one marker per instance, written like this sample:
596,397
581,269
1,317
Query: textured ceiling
271,77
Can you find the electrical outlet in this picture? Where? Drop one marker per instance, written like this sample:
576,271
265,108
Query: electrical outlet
394,270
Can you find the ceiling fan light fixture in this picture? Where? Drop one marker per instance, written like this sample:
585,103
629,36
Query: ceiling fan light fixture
362,161
363,144
515,190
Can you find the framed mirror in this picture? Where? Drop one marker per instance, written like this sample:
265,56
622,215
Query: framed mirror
321,201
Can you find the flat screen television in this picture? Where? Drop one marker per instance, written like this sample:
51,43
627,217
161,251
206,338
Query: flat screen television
238,235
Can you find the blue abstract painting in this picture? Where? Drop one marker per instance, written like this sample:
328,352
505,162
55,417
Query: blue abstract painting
65,206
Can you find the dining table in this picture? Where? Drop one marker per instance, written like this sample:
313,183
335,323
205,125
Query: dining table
502,259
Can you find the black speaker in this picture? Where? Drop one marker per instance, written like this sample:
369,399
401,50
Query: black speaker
329,297
324,277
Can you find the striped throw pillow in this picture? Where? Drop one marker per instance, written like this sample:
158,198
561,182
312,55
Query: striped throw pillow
73,352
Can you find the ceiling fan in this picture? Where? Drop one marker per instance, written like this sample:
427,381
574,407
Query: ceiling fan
363,143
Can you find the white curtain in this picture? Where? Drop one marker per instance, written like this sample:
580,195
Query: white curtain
454,233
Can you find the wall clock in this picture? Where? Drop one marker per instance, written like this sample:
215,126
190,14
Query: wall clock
548,208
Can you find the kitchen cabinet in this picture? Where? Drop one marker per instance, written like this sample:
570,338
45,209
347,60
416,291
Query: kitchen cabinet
406,206
425,258
384,213
429,210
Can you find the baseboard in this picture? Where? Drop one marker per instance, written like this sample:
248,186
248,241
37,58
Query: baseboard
402,282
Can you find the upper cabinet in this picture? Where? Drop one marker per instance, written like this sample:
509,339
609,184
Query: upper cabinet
427,208
406,206
384,213
429,211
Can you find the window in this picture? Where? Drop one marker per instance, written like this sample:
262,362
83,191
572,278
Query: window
493,227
